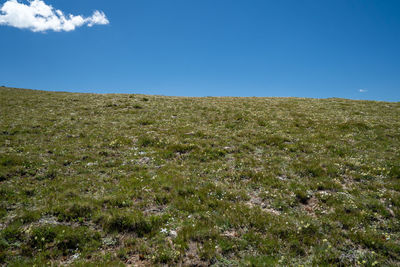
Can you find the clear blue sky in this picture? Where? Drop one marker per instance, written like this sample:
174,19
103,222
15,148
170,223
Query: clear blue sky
304,48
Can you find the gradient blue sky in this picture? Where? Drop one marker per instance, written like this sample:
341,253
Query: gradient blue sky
330,48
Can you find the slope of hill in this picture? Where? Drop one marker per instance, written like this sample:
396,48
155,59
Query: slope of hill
143,180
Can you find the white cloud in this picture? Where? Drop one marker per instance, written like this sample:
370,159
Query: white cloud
37,16
362,90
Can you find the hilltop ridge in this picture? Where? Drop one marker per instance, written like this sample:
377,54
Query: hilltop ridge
151,180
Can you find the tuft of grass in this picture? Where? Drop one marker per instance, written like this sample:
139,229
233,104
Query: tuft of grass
66,240
133,222
74,212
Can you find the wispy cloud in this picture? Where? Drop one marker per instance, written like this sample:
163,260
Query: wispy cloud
37,16
362,90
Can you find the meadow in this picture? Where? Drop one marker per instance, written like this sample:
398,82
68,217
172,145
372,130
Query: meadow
140,180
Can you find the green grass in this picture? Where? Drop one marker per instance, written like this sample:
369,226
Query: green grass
89,179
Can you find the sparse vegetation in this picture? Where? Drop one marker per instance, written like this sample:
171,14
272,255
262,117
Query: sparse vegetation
152,180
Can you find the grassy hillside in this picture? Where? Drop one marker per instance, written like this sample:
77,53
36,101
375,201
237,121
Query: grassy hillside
152,180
